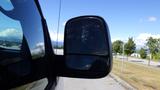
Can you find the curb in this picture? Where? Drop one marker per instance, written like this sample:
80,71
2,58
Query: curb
122,82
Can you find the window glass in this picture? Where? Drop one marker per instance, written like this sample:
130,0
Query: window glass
18,15
50,10
10,29
20,22
6,4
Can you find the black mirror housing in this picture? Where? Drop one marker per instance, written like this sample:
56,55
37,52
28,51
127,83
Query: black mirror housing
87,48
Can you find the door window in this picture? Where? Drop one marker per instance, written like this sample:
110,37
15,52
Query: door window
20,23
10,29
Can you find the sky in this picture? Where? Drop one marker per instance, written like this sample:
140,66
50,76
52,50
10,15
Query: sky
9,27
139,19
26,21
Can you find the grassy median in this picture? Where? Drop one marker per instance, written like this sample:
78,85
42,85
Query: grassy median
139,76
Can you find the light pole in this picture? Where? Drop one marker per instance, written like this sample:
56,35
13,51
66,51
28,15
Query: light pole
150,56
122,58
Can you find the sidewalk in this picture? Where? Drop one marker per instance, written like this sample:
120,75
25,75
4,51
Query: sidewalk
140,61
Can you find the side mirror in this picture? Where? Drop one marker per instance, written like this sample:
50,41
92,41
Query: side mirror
87,47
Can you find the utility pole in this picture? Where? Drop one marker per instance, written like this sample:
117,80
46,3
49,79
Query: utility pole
59,17
122,59
150,57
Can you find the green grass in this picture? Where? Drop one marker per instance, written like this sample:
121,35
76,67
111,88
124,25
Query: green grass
139,76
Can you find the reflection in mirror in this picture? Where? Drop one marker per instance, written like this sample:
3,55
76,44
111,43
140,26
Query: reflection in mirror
84,62
21,42
12,63
10,30
86,37
12,40
10,33
87,45
6,4
27,13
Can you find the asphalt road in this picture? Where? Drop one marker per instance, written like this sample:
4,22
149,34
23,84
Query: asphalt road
106,83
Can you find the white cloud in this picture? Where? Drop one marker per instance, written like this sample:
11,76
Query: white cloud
8,0
53,36
10,32
148,19
114,39
40,44
141,39
38,49
64,23
152,19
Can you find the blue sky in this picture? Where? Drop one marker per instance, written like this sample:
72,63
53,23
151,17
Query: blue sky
126,18
9,27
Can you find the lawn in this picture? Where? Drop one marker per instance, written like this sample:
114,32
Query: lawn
139,76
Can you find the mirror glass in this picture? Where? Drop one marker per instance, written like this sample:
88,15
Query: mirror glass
86,36
86,45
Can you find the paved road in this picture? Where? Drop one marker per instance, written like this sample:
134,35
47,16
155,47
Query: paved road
106,83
